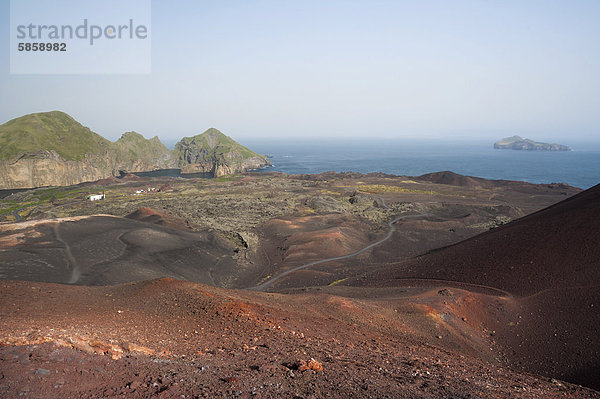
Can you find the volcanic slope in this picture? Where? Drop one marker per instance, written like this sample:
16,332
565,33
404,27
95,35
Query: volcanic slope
106,250
547,265
169,339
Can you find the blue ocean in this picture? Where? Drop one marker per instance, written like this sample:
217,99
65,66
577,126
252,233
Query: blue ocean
579,167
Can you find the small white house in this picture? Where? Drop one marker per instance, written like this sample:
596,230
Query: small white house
96,197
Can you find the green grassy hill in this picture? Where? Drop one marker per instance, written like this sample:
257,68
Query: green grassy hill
31,134
49,131
210,146
213,142
52,148
133,146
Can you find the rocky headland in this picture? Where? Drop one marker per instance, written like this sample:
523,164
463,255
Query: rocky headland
53,149
215,153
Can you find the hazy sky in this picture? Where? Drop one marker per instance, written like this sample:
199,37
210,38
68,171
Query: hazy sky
342,68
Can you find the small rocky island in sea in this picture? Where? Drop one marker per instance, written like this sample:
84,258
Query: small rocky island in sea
519,143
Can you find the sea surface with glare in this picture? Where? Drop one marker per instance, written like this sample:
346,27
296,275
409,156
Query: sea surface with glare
579,167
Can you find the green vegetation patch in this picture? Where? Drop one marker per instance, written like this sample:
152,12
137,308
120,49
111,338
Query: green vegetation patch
51,131
336,282
382,188
133,146
212,145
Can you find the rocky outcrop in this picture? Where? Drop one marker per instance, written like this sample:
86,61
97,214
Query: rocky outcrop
221,167
215,153
519,143
49,169
138,154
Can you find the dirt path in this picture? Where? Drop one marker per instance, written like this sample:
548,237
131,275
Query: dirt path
269,282
75,272
484,289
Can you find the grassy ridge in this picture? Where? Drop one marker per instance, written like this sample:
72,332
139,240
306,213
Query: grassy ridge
210,146
214,143
57,135
57,131
133,146
50,131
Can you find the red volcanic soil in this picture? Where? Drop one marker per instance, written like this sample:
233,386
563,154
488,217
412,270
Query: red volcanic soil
556,247
548,263
487,317
315,237
291,241
173,339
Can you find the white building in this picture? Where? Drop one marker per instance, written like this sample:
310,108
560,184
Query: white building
96,197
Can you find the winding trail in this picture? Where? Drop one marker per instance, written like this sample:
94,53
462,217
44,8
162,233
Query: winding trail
269,282
483,289
75,272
